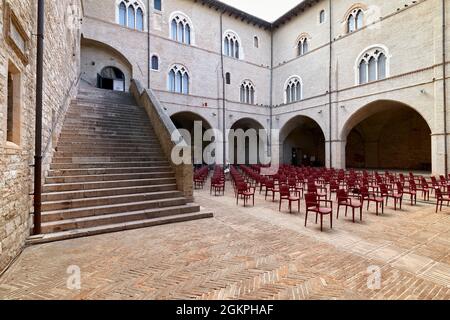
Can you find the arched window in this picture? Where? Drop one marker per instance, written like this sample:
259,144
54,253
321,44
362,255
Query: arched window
231,45
247,92
228,78
256,42
293,90
155,62
157,5
372,66
355,20
122,14
180,29
140,19
303,46
131,18
178,80
130,13
322,17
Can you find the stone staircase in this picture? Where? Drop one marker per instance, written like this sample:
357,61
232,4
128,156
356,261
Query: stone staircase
109,173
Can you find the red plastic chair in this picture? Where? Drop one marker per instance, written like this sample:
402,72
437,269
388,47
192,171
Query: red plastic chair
440,199
372,197
348,202
285,194
313,205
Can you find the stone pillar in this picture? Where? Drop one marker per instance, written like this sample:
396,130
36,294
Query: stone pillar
438,153
338,148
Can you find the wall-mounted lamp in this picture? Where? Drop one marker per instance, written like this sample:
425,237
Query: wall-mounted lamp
423,91
320,112
214,114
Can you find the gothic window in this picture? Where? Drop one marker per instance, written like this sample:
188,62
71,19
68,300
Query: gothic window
293,90
228,78
231,45
372,66
131,14
355,20
180,29
303,46
247,92
178,80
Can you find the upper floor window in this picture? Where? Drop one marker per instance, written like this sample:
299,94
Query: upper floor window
131,14
293,90
247,92
322,16
180,29
303,46
231,45
372,66
157,5
178,79
155,62
355,20
256,42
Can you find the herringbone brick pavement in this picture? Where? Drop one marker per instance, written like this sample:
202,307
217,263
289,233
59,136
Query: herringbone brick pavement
247,253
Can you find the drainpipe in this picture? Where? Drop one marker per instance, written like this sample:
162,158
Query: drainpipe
38,126
444,75
330,72
224,112
271,92
148,45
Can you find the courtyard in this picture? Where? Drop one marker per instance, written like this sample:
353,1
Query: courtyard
248,253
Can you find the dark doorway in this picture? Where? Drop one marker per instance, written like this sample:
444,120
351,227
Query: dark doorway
111,78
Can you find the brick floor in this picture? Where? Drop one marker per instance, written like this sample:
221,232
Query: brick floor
247,253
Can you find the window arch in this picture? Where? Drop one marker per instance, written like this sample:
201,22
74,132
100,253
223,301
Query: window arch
228,78
302,46
355,20
231,45
154,63
256,41
181,28
293,89
179,80
247,92
372,65
131,14
322,16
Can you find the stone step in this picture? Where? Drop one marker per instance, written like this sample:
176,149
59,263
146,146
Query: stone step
110,132
107,126
85,148
91,102
59,166
57,187
106,144
85,194
109,200
107,159
106,114
50,217
98,171
100,140
129,216
79,136
108,177
110,228
100,154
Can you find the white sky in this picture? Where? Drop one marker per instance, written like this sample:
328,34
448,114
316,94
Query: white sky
269,10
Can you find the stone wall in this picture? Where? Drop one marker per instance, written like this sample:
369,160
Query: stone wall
61,67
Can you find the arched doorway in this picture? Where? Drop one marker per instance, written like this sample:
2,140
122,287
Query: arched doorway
245,143
302,142
388,135
101,64
187,121
111,78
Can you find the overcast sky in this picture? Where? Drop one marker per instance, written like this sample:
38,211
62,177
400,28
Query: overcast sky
269,10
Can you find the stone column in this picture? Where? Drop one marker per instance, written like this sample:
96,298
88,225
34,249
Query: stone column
338,148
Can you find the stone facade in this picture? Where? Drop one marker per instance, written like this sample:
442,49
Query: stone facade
414,65
61,65
410,33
